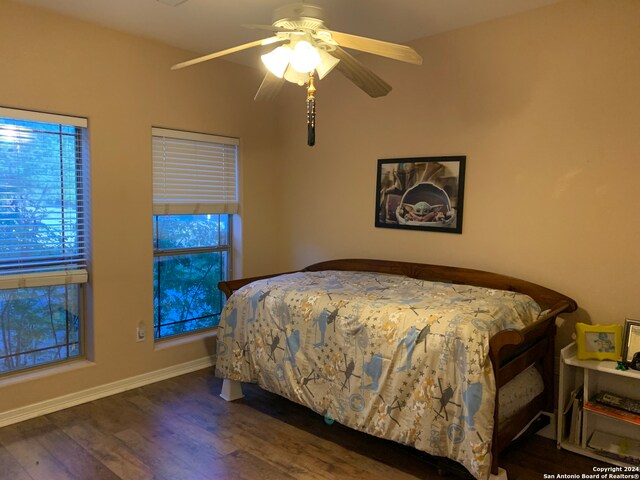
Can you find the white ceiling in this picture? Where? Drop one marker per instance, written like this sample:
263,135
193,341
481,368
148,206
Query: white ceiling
205,26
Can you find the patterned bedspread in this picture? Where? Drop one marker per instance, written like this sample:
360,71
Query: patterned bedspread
389,355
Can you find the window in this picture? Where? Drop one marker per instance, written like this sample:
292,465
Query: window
194,195
43,255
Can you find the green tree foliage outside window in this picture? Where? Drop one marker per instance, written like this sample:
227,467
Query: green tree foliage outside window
38,326
191,256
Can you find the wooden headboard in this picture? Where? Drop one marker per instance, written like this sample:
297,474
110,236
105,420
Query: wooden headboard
545,297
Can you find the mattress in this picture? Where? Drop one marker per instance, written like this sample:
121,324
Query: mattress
518,393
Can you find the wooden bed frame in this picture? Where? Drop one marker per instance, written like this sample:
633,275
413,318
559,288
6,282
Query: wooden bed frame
511,351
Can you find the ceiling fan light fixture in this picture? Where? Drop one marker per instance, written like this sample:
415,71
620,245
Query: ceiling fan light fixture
305,57
277,60
304,46
327,63
293,76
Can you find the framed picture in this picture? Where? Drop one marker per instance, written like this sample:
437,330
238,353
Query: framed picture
598,342
424,193
631,339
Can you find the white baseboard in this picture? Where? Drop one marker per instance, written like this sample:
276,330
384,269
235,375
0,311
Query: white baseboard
48,406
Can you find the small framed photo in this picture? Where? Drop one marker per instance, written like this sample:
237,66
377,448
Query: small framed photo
598,342
424,193
630,340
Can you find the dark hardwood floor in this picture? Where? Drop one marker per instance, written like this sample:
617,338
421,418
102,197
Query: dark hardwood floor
181,429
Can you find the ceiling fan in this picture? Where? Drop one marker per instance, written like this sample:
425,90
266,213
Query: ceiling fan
306,48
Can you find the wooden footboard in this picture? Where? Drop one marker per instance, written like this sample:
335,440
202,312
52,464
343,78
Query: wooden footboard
511,351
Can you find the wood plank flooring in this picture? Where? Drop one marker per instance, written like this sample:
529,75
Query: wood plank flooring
181,429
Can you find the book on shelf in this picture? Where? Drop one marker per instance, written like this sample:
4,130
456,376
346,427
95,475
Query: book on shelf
566,415
618,401
613,412
575,428
615,446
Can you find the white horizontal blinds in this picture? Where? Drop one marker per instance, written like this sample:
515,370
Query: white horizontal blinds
194,173
42,213
43,279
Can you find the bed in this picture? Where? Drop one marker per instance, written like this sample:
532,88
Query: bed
452,361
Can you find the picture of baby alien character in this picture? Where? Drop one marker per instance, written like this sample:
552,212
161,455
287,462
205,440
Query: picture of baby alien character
422,212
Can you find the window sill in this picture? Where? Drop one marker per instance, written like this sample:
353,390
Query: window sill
44,371
185,339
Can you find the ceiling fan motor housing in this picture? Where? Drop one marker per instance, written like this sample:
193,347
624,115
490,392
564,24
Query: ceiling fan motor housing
299,16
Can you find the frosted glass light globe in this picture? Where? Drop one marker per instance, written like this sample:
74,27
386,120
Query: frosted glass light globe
277,60
305,57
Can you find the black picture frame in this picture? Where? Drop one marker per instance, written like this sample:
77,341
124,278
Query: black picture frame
421,193
630,339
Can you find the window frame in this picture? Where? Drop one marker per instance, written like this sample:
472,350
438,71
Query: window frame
173,252
66,270
194,173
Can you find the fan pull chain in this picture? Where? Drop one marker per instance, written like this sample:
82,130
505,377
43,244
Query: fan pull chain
311,112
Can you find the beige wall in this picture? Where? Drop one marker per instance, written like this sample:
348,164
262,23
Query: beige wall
546,107
123,85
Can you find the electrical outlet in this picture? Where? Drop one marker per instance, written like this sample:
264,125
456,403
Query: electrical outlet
140,333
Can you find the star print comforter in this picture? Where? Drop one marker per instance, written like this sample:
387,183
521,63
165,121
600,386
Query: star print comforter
393,356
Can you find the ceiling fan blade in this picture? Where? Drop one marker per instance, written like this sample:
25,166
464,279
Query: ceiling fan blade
211,56
364,78
269,88
377,47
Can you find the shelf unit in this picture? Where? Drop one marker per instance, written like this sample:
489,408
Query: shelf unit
594,376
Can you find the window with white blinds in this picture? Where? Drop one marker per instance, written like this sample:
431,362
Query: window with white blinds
194,173
43,237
